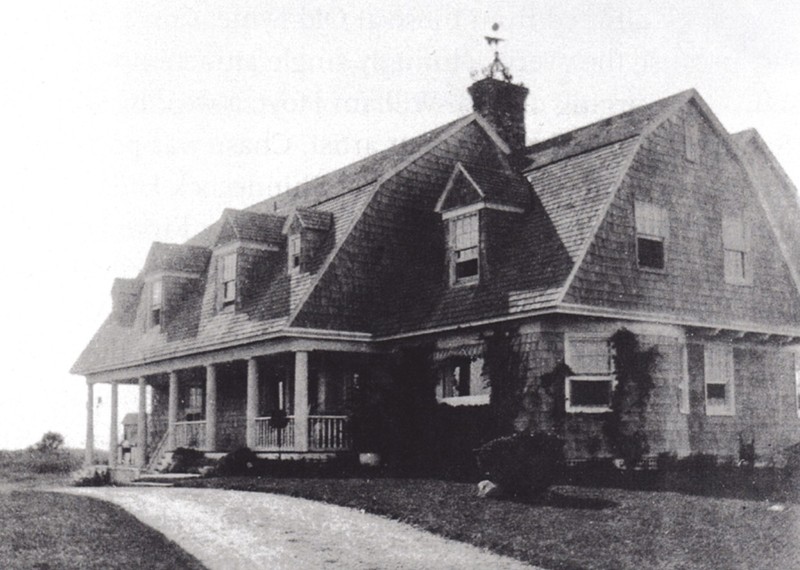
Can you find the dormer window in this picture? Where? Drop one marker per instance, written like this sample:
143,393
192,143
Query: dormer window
294,247
464,249
156,297
229,279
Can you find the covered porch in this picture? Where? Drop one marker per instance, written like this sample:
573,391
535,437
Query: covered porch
294,402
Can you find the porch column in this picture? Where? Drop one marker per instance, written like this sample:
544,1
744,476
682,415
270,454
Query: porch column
89,452
172,413
252,402
211,407
141,427
301,400
113,437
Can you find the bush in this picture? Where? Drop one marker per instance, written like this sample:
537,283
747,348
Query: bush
95,476
51,462
186,460
523,465
239,462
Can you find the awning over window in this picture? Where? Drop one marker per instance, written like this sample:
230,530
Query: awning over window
471,350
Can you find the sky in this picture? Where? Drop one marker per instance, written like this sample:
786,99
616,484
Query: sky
125,123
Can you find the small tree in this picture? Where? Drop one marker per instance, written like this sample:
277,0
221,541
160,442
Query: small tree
50,442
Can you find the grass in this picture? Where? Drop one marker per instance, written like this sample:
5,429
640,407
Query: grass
50,530
27,468
575,528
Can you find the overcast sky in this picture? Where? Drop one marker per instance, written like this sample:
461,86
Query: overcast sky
128,123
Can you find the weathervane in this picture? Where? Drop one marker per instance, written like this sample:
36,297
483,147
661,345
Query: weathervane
497,69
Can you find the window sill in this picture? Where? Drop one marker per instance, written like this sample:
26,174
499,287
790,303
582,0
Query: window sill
656,270
719,412
587,409
477,400
465,282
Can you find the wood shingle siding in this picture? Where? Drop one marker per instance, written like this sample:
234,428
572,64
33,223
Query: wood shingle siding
696,196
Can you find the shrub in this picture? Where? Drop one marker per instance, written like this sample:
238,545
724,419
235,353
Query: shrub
523,465
186,460
95,476
51,462
51,441
239,462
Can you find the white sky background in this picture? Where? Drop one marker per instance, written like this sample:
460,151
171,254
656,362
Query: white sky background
128,123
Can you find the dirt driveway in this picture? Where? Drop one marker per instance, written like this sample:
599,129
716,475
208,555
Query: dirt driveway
228,530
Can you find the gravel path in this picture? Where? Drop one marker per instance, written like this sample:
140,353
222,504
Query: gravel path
229,530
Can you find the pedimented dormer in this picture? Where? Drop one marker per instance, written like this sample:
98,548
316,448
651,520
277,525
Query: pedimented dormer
169,272
246,247
307,233
470,193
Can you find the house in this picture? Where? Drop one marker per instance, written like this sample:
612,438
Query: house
634,280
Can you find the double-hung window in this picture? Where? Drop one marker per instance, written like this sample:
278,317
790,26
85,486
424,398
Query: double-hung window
652,229
591,385
294,247
156,297
718,372
464,249
229,279
736,244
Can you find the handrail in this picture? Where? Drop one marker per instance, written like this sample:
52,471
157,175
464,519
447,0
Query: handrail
156,456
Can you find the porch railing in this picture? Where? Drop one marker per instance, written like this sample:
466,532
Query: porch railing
267,437
190,434
328,433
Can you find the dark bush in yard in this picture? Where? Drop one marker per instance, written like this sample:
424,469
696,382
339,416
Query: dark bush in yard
55,461
523,465
243,461
186,460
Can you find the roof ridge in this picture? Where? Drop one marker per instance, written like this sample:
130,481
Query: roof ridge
582,152
676,97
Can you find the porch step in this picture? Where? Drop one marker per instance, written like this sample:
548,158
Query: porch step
149,484
164,478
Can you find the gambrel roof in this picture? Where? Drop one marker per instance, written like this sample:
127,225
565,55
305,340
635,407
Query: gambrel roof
382,275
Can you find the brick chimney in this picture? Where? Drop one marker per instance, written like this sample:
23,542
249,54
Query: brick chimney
502,104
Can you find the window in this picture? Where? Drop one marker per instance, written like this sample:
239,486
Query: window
229,279
736,244
461,381
684,385
591,361
718,371
194,404
652,228
691,135
156,293
295,249
464,243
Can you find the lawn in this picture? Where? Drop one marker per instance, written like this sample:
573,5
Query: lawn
576,528
51,530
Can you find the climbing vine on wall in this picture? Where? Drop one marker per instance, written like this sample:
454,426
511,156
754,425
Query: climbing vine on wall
624,426
508,369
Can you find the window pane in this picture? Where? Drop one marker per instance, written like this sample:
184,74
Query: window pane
155,293
735,266
590,393
229,291
590,356
466,269
651,253
229,268
715,393
651,220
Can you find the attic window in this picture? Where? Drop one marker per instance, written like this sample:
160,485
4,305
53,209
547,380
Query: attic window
736,246
156,295
652,228
294,248
691,136
464,249
229,279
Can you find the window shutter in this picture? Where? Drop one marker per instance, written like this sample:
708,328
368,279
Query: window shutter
219,293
